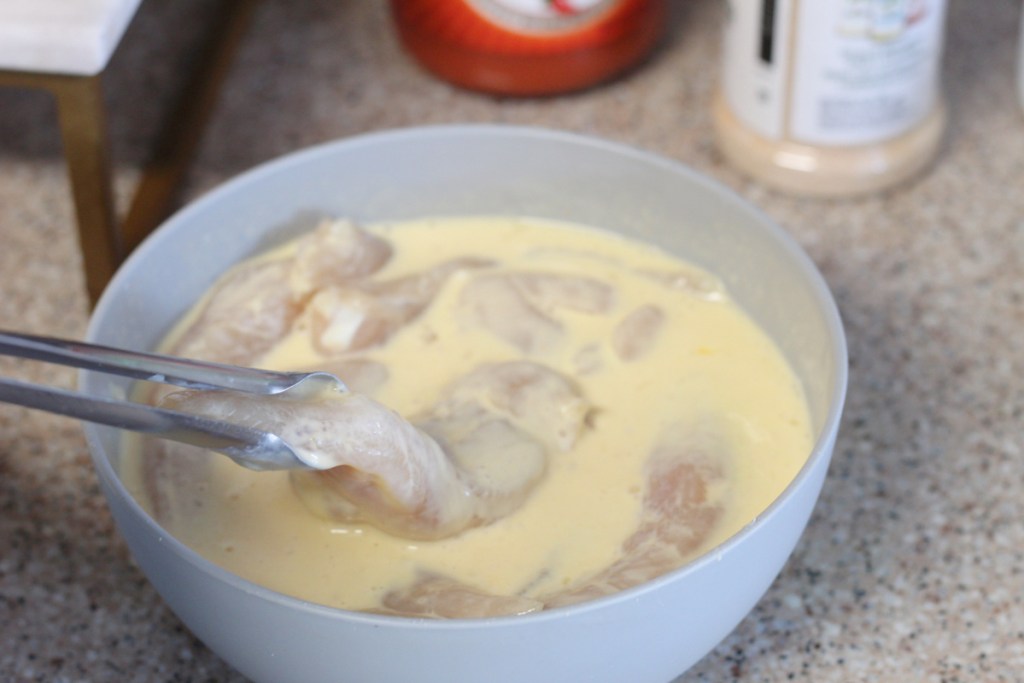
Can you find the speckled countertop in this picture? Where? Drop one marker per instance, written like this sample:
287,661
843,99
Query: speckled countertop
912,567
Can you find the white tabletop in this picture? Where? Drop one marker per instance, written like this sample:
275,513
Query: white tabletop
62,36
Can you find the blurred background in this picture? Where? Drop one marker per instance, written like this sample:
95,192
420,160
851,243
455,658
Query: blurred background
913,565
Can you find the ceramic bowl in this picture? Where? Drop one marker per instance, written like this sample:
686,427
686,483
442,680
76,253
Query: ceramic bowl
650,633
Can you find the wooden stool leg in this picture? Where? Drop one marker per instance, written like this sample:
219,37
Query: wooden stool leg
82,117
183,129
80,107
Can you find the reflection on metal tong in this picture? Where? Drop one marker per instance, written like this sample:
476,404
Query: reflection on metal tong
250,447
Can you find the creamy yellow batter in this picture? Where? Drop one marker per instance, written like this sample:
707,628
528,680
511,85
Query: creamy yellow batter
709,381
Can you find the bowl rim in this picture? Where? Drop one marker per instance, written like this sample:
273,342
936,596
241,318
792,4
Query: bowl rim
821,448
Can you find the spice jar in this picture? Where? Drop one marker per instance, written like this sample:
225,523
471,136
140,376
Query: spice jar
529,47
831,97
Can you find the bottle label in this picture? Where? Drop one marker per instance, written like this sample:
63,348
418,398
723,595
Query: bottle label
833,72
541,16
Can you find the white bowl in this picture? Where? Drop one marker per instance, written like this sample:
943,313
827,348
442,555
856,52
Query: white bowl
649,633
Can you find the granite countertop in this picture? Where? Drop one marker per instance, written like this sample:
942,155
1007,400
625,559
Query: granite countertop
912,567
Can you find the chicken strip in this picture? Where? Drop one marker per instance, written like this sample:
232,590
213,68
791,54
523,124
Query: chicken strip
468,466
439,597
364,314
247,313
249,310
679,513
635,335
522,307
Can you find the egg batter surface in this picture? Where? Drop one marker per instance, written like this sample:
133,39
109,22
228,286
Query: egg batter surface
662,422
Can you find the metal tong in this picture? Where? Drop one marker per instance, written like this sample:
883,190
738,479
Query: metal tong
252,448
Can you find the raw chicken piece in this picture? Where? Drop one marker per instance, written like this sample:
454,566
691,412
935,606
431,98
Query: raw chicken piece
548,292
541,401
335,253
471,463
520,307
635,334
496,426
498,463
494,303
678,516
443,598
349,319
247,313
364,314
250,310
383,469
690,280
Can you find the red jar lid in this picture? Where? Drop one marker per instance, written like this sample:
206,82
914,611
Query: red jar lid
529,47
